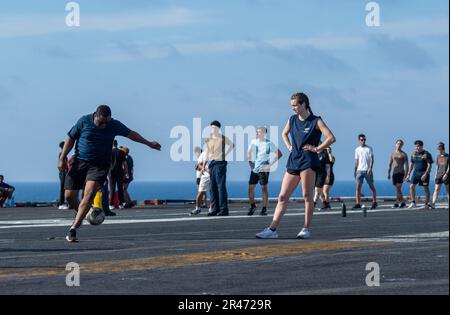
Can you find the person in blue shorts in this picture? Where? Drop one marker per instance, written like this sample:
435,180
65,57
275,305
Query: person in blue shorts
364,161
301,135
93,136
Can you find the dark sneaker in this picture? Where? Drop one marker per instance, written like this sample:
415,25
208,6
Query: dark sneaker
395,206
429,206
223,213
357,206
263,211
212,213
403,205
251,210
72,236
326,206
374,206
109,213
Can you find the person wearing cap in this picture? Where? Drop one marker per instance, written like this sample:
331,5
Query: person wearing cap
259,153
217,147
442,173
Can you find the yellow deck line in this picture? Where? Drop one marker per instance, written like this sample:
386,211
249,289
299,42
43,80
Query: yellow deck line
173,261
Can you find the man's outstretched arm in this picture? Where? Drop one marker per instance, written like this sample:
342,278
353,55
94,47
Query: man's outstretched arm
133,135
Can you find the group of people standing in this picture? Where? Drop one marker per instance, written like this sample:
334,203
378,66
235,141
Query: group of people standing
417,171
311,161
308,156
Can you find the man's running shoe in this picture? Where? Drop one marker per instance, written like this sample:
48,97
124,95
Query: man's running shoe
395,206
357,206
374,205
109,213
403,205
196,211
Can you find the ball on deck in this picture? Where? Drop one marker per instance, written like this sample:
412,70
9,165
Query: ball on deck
95,216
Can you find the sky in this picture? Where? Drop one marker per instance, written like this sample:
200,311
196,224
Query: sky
163,65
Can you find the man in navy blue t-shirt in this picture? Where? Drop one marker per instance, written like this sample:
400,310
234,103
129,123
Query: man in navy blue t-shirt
92,136
419,173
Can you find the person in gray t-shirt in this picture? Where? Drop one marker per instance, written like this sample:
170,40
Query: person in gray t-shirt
442,173
398,163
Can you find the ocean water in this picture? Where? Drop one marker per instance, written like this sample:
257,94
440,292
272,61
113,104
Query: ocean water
48,191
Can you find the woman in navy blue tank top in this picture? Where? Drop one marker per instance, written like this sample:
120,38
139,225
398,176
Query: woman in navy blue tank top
301,135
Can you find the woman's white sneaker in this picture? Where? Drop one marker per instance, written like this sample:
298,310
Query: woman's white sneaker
304,234
267,233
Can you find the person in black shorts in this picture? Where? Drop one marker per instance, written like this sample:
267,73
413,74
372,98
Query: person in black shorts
442,173
259,154
398,163
305,130
421,162
93,137
320,178
329,178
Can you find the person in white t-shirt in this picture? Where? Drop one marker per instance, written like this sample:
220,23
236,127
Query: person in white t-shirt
260,151
364,161
203,180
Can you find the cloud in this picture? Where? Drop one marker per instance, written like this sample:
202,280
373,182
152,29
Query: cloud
402,52
42,25
5,96
417,28
308,58
301,52
56,52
